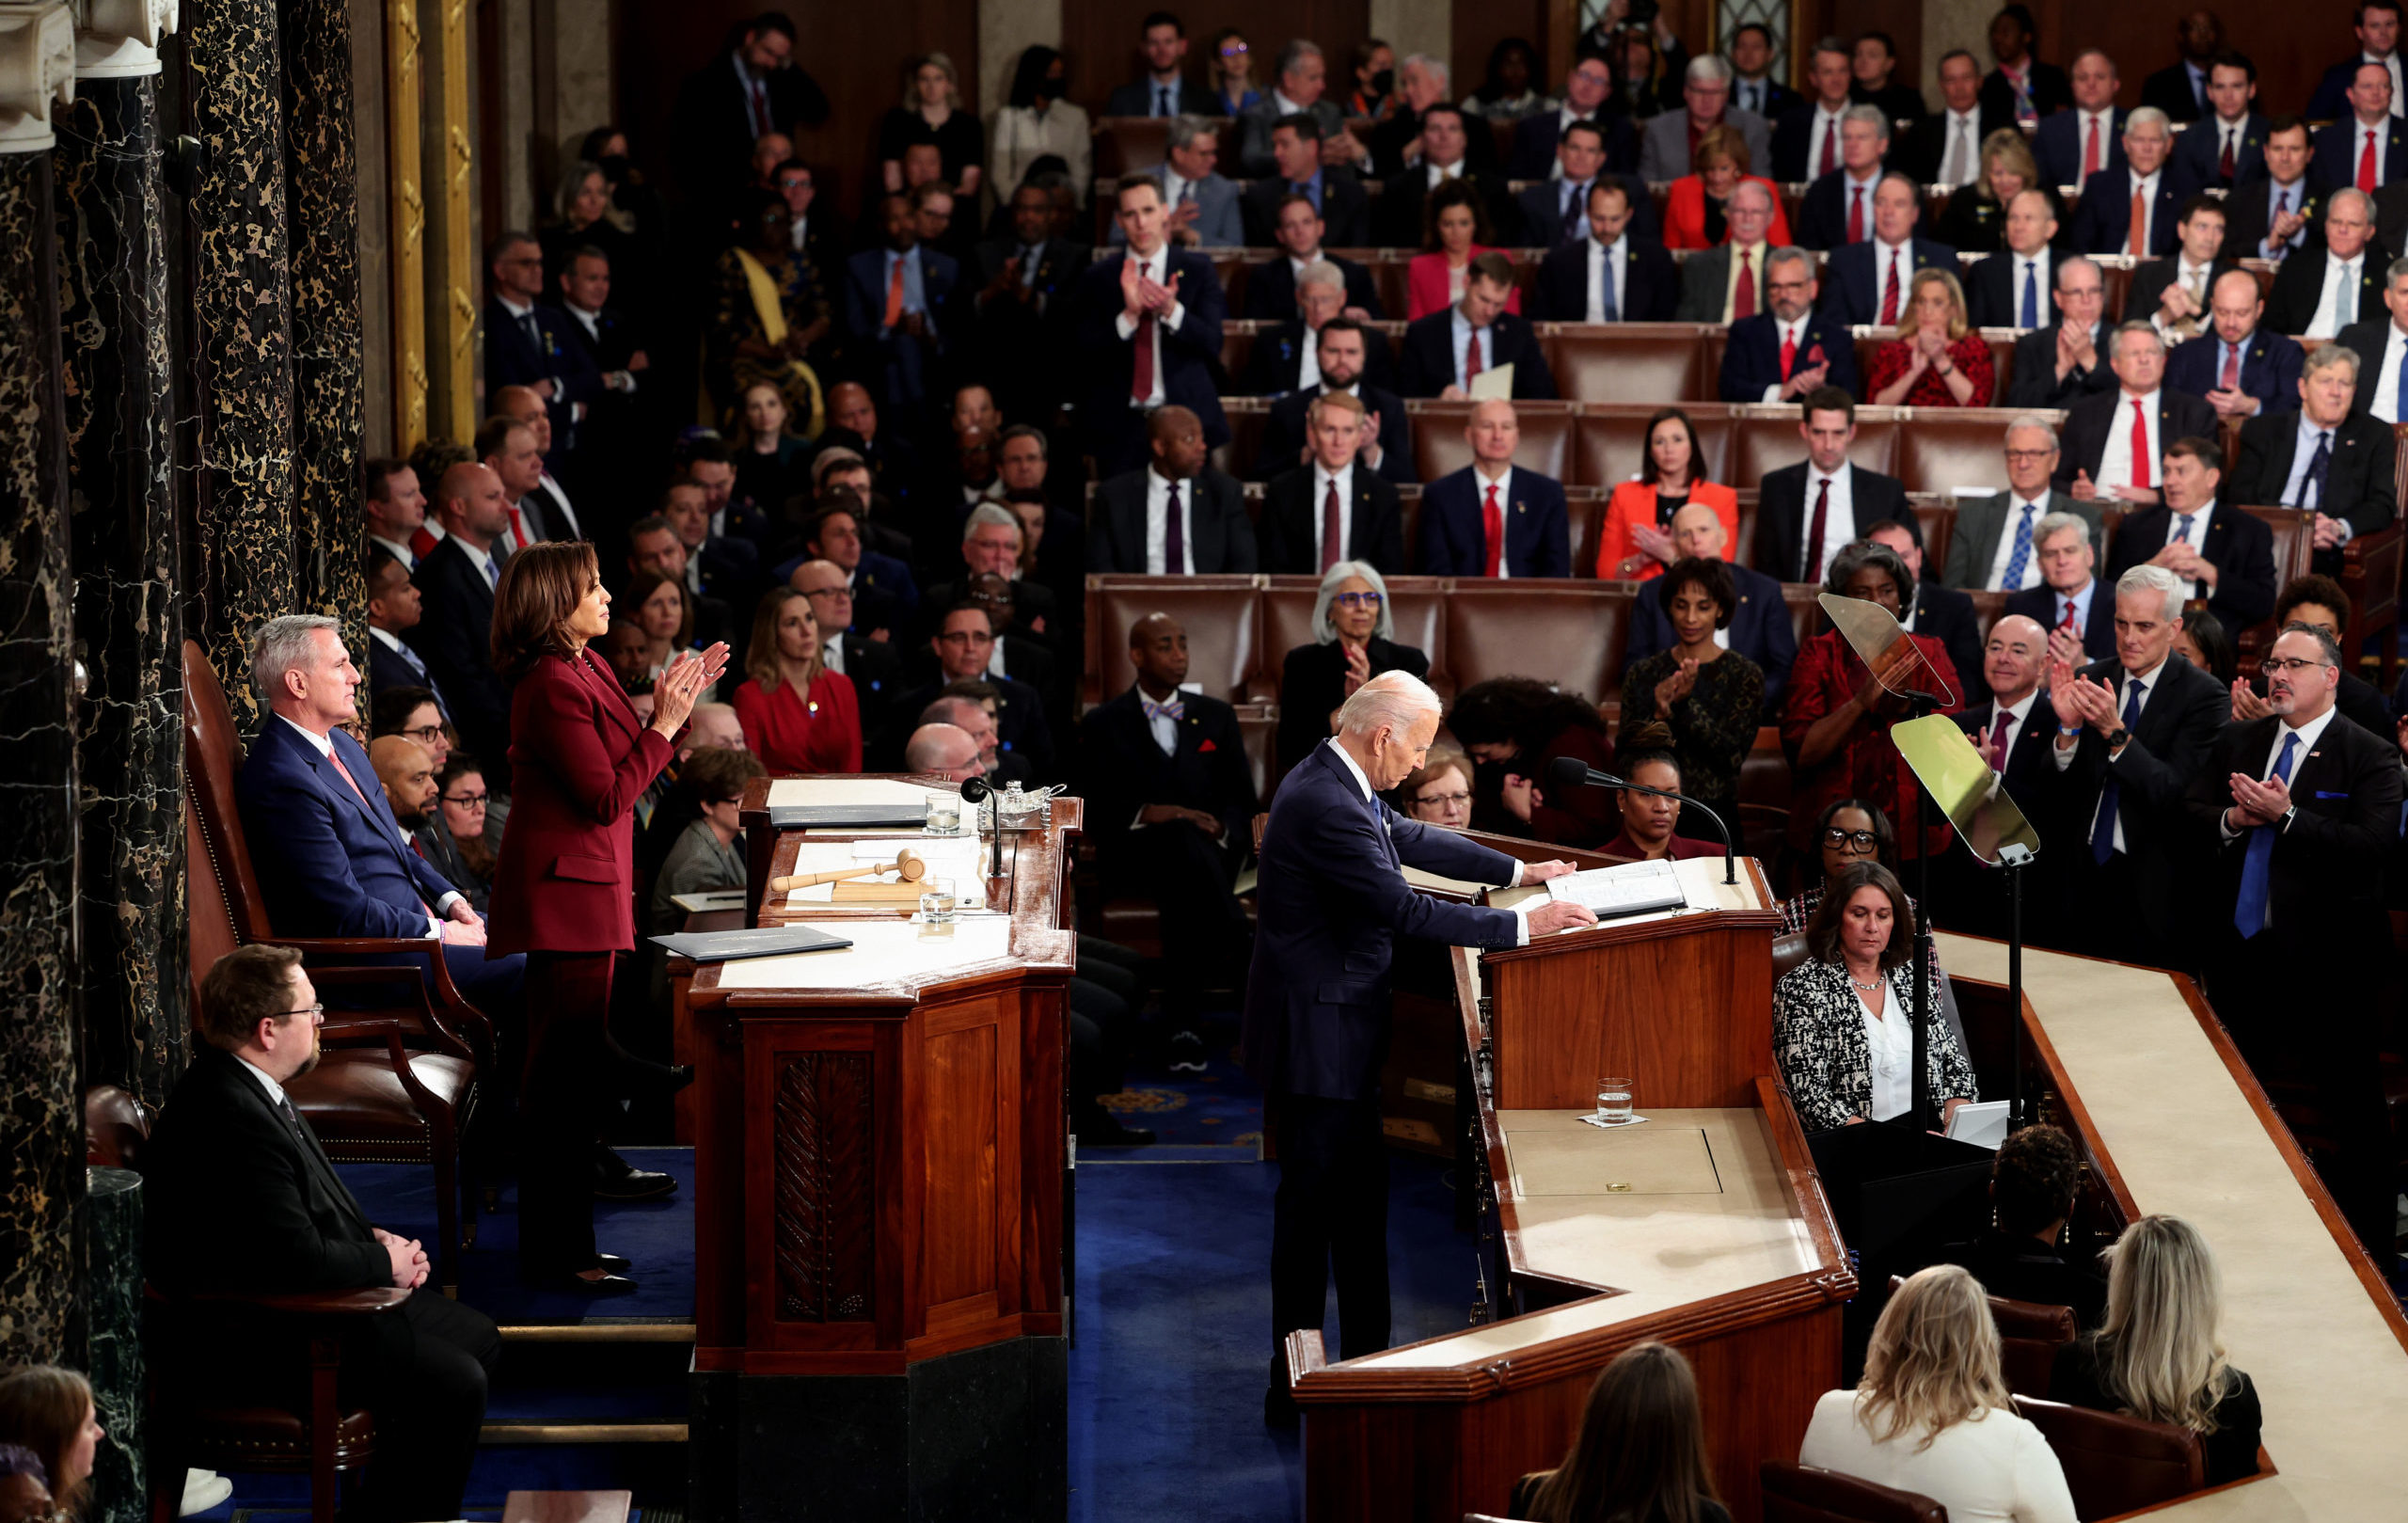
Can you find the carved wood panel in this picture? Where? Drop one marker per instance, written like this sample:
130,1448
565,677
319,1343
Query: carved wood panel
824,1189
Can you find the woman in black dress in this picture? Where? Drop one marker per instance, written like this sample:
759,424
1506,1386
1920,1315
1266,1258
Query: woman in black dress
1706,696
1354,632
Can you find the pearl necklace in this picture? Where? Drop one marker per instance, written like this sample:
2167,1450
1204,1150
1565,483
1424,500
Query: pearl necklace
1866,989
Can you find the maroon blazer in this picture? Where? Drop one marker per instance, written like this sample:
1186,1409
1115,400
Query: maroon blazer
579,760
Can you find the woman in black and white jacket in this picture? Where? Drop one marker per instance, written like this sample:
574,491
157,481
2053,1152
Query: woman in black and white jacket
1840,1027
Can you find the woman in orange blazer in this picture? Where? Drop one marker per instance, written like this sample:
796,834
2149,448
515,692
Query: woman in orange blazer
1693,213
564,890
1454,231
1636,543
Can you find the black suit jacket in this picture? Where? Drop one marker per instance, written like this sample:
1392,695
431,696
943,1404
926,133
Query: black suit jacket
2247,218
2035,383
2299,287
2039,605
1284,435
1032,605
1345,210
2369,337
2337,147
2179,720
1922,150
2169,90
2237,544
1027,660
1793,143
1852,282
454,638
1427,367
514,358
2198,161
1270,289
1275,363
2358,486
1020,726
1543,220
2151,276
1782,514
1994,297
1752,357
2083,439
1651,284
2102,222
1537,137
1398,221
1947,615
875,668
1187,358
2326,878
2027,766
1822,215
388,670
1291,518
1312,683
1125,769
1223,542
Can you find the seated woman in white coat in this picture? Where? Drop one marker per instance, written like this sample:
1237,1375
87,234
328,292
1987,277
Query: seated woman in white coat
1932,1416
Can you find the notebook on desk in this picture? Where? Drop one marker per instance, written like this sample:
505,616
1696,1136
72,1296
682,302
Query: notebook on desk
1631,889
799,816
730,946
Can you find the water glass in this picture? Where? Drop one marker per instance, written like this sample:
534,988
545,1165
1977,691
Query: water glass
1613,1101
936,901
943,813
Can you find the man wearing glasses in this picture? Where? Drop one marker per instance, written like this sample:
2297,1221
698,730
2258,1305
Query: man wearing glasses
2059,364
873,666
964,644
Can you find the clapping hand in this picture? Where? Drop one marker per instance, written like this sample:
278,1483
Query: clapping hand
1358,665
1802,381
1676,688
2246,704
674,695
2260,804
1156,297
2064,650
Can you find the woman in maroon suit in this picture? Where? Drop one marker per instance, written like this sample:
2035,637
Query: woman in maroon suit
564,890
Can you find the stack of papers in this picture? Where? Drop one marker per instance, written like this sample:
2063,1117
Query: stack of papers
1630,889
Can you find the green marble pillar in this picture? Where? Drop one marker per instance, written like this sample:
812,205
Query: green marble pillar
113,1320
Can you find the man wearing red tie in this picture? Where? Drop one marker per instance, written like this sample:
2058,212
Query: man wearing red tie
1149,327
1333,508
1491,519
2368,149
2080,619
2112,442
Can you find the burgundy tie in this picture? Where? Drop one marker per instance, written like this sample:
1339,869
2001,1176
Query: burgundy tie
1998,735
1329,527
1813,560
1890,293
1831,141
1173,538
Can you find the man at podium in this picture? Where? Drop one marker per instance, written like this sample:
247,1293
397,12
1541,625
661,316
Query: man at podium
1333,898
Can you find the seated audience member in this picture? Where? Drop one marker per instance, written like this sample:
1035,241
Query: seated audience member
1848,831
1648,819
1835,726
2366,147
1334,509
1726,284
455,581
231,1163
1698,215
670,804
771,461
705,460
407,778
2320,453
1606,272
1946,147
991,543
2321,292
1636,543
47,1414
1753,86
1555,211
1287,358
2220,554
2318,602
1789,349
1839,1018
1445,352
1932,1415
885,597
2237,364
1147,329
1992,548
797,715
1755,624
1295,163
873,666
1203,203
769,311
25,1487
1340,349
2203,643
394,608
2065,361
628,651
1438,792
663,610
1708,699
1935,359
654,546
2033,1179
2131,208
1506,94
1667,140
1174,804
2015,286
2274,203
2068,603
1812,509
1807,137
1868,284
1491,518
411,712
2157,1356
1838,208
1175,515
2113,439
454,838
1941,612
1455,231
1353,641
708,854
1271,287
394,508
2022,89
971,706
2178,293
1588,96
942,750
1639,1454
964,642
1521,726
1014,655
2380,345
1979,218
1404,211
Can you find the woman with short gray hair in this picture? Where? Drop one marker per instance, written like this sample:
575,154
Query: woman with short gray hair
1353,641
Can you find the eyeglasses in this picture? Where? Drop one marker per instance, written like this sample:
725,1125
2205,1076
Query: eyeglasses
1357,600
425,735
1433,801
467,801
1851,840
315,1012
2028,457
2285,663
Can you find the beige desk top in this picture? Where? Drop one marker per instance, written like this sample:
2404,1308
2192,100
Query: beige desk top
2333,1378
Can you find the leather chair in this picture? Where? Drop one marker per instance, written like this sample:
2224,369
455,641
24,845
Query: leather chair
2029,1332
1805,613
1439,446
1123,144
1572,637
1801,1494
1237,348
1767,439
1787,953
2295,531
116,1125
1386,267
2114,1464
1258,723
1764,792
1636,363
2116,274
1248,416
1936,517
1988,607
2001,346
1417,604
397,1081
1218,612
1942,451
1585,507
1610,442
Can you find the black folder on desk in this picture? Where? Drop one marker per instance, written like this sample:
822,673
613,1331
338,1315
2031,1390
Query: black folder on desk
731,946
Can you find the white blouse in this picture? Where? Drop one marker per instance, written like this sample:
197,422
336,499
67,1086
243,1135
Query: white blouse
1890,1049
1992,1467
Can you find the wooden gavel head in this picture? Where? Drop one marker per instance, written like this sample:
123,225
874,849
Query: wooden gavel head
909,868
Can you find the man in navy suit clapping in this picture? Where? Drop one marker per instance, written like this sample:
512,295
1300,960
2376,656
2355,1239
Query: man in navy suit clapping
1149,330
1781,354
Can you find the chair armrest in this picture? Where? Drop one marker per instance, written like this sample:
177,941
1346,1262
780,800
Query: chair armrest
2371,567
446,1013
365,1302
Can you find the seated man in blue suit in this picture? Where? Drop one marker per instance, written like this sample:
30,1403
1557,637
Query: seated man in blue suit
331,859
1164,91
1444,351
903,335
1614,272
1202,203
2102,224
1858,288
1148,331
1760,626
1491,518
2242,369
1780,355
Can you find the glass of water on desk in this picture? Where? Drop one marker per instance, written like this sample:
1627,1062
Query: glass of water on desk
1613,1101
937,901
943,813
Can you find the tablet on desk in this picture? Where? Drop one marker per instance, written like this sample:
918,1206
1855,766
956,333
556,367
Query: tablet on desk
1982,1122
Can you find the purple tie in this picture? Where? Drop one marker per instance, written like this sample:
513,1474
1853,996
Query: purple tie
1174,542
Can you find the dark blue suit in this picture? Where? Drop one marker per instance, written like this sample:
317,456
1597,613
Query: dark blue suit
1752,357
332,861
1333,900
902,362
1538,532
2337,147
1116,431
1426,365
2039,605
1852,285
2104,219
2056,146
1542,219
1760,628
2269,367
1822,216
2198,154
1651,283
1537,137
514,358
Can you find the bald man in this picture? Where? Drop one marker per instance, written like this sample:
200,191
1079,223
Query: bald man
1175,515
454,631
2013,731
1493,519
409,775
942,750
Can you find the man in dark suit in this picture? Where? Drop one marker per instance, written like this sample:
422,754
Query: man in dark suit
2318,601
1838,208
1808,510
741,96
1760,626
1993,548
2377,340
1752,84
899,307
1333,898
2367,148
528,343
1178,516
393,611
2237,364
2227,144
2022,85
2132,732
1021,308
1780,355
2102,224
1387,452
2060,364
2068,603
2181,88
1446,350
2175,294
1943,614
2015,286
990,541
874,667
1148,333
1492,517
1164,90
2271,210
1287,358
2377,24
2351,486
1874,57
1538,137
1554,212
2221,553
1333,508
1204,204
964,640
2113,439
1271,286
2072,146
1866,283
1445,141
233,1167
1298,169
1021,657
723,567
1726,282
1394,142
1806,138
1298,89
2337,278
1945,147
1614,272
455,582
607,342
2301,813
2012,729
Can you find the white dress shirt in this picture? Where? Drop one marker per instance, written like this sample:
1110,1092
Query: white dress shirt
1889,1048
2297,492
1439,174
400,550
1344,481
275,1090
327,747
1459,331
1157,516
2196,280
2384,403
1608,263
2361,136
831,653
2104,121
1521,912
2337,307
1963,130
2192,530
1790,333
1825,123
1839,527
1155,267
2063,755
2116,463
1504,484
2016,508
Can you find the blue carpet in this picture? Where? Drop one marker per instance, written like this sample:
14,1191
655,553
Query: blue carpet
1219,1107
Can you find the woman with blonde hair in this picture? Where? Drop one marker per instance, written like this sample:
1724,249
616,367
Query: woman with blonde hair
2157,1355
1932,1414
1639,1457
1975,219
797,715
931,112
1935,359
49,1411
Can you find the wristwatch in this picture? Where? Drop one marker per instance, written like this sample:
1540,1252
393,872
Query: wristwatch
2116,737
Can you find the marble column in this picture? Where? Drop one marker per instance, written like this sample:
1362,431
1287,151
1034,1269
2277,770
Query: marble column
242,508
113,1316
321,188
41,1170
113,325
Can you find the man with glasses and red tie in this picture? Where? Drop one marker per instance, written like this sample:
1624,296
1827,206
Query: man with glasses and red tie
1492,518
2112,441
2220,554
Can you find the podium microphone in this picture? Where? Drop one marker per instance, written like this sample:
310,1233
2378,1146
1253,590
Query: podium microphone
976,791
1569,772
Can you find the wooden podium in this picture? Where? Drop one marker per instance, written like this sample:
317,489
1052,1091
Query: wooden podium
1705,1226
880,1156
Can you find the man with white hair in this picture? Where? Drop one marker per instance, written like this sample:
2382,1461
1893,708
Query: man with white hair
1668,140
1333,898
2129,208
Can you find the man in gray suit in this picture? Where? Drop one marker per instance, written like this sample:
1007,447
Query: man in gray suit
1992,548
1664,152
1711,290
1303,76
1203,205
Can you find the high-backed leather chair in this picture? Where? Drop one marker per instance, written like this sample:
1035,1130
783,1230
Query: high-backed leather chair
1802,1494
1237,347
1572,637
1439,446
396,1082
2115,277
1988,606
1585,509
1788,951
1126,144
1935,515
1767,439
1941,452
1219,612
2114,1464
1637,363
116,1125
1611,443
1417,604
1249,418
2029,1332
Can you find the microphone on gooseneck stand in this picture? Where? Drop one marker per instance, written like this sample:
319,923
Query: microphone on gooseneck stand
1568,773
976,791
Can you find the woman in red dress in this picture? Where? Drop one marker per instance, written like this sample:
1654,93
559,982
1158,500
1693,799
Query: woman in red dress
798,716
563,889
1936,361
1454,231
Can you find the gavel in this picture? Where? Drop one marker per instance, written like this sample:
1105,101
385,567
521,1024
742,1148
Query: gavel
907,865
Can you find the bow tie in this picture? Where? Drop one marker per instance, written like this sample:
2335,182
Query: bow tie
1175,709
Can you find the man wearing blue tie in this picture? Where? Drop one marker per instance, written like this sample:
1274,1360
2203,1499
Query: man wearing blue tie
2272,207
2302,816
1163,90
